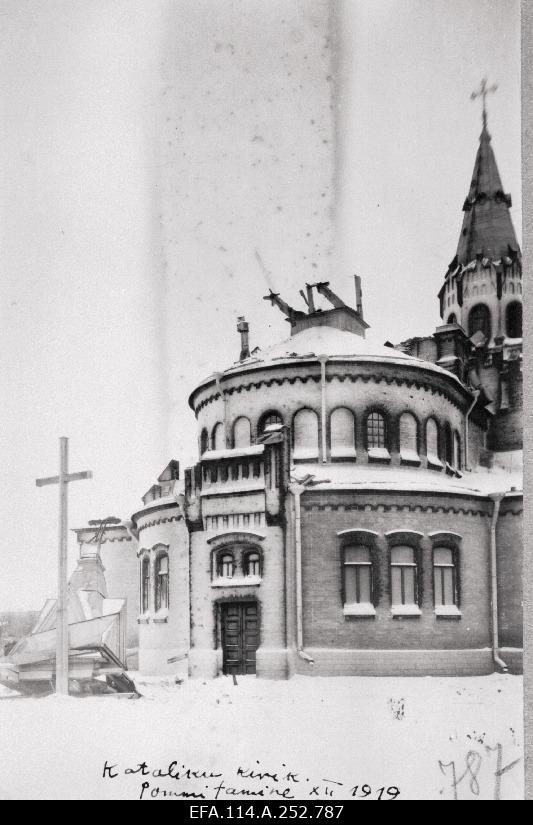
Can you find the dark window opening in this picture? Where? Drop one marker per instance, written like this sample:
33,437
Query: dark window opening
444,577
358,578
161,582
479,321
514,320
145,585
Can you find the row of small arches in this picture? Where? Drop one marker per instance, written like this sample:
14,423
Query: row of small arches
441,442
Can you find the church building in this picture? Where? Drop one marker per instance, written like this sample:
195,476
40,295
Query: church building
354,509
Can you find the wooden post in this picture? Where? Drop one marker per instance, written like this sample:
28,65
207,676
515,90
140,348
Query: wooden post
62,640
62,649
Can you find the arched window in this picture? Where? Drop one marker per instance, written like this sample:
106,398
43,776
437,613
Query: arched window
513,319
342,426
375,431
225,565
457,463
252,563
217,437
270,419
409,438
357,575
204,441
403,576
452,319
242,435
448,445
479,321
145,584
444,577
161,582
305,427
432,443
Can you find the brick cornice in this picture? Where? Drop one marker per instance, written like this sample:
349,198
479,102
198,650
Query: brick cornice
154,522
395,508
376,372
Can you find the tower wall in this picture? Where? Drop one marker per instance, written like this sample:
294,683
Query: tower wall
164,634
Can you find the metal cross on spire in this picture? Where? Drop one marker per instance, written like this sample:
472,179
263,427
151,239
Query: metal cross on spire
483,91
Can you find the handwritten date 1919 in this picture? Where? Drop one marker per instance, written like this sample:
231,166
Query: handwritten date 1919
367,792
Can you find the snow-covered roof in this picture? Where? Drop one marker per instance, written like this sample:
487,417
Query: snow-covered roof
353,477
324,340
239,452
334,344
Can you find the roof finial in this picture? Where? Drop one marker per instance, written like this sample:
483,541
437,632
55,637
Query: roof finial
484,90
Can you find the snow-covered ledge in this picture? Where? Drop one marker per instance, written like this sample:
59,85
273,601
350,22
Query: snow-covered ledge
448,611
362,609
161,616
236,581
434,462
378,454
343,453
405,610
410,457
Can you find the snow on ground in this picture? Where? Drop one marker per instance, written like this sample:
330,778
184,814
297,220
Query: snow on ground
327,734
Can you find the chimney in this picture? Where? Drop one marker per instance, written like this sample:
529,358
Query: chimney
243,328
358,295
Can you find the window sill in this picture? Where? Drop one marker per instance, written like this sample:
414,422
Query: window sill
343,455
161,620
240,581
378,454
305,455
434,463
448,612
143,619
410,457
359,610
408,610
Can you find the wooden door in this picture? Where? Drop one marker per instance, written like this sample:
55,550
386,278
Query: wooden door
240,636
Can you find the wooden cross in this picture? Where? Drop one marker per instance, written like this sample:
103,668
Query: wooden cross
484,90
62,644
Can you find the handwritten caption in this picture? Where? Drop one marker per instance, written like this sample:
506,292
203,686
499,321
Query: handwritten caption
181,781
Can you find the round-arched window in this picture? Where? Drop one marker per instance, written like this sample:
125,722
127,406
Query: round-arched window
305,428
513,319
479,321
342,424
204,441
145,584
432,440
161,582
242,434
376,434
408,433
270,419
225,565
452,318
217,437
252,564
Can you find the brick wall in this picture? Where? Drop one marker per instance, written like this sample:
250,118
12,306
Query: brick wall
506,431
510,558
325,626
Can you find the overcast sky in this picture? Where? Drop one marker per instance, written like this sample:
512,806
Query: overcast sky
163,163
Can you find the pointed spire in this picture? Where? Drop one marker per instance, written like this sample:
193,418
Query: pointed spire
487,229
